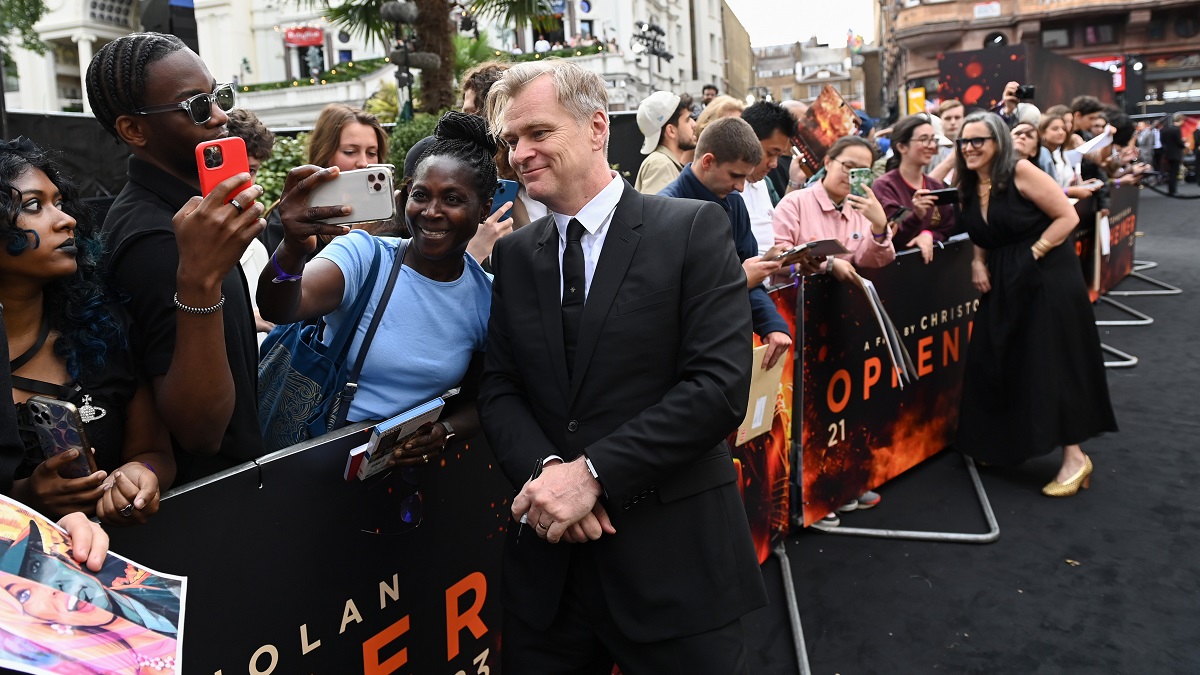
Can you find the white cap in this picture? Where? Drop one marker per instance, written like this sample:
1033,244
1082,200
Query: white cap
652,114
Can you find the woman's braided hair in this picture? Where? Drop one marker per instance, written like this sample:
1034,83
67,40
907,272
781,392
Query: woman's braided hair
116,77
466,138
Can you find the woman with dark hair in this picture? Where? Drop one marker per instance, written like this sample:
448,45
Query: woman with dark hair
434,328
906,184
1034,371
68,341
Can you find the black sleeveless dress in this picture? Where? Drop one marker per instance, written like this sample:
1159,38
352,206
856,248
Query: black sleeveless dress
1035,376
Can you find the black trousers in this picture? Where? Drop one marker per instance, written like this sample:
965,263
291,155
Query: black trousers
1172,175
585,640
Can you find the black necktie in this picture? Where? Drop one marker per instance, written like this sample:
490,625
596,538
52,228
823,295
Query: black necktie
574,289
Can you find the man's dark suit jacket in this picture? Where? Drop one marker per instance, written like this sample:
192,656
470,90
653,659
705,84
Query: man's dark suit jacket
661,376
1172,143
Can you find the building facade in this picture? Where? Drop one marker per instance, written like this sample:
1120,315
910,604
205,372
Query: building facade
1152,47
739,57
799,71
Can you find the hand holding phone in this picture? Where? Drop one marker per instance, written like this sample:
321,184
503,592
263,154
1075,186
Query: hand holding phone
900,215
859,178
59,430
221,159
368,192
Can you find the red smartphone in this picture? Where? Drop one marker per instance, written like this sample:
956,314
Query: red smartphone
221,159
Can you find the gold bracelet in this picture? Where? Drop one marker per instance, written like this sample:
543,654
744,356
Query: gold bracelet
1044,245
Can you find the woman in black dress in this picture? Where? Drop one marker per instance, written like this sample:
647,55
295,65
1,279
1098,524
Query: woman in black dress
1035,375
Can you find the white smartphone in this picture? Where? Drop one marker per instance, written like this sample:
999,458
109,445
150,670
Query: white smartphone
368,192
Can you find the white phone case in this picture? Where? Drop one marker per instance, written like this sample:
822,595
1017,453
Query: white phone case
368,192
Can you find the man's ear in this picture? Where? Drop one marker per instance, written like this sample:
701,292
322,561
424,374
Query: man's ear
669,131
132,130
599,129
706,161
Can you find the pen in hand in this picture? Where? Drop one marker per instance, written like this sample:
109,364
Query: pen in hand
537,471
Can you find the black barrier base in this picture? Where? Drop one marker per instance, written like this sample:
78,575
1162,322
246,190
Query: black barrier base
793,607
988,537
1126,360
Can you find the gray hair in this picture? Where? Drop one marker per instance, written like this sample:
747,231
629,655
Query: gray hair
581,92
1004,163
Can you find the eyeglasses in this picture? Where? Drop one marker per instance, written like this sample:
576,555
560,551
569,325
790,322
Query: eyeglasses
924,140
848,167
198,107
976,143
1024,133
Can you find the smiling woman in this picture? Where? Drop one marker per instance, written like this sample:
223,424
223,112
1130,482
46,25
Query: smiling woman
433,330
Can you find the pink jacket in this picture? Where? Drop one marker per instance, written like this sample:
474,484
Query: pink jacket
808,214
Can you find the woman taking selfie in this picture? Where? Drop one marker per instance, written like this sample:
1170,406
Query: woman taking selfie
67,342
906,184
434,326
1034,372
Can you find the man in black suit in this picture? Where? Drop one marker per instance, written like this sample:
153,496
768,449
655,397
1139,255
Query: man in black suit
1172,150
619,358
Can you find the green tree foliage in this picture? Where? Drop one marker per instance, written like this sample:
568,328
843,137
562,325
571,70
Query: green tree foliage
433,28
17,18
289,152
516,13
470,52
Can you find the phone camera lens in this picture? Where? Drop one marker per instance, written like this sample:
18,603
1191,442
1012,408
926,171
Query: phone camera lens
370,178
376,187
212,156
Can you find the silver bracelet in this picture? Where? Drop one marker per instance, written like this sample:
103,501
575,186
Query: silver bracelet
199,310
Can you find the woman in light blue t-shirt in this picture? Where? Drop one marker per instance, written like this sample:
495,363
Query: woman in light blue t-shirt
433,330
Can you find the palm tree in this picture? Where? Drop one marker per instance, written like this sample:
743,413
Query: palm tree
515,13
470,52
362,19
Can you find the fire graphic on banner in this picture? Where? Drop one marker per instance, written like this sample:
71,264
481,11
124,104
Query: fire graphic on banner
858,428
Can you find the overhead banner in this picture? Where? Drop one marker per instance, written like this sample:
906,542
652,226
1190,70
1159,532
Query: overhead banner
292,569
307,36
858,428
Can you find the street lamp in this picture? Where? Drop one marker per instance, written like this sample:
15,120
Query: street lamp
649,41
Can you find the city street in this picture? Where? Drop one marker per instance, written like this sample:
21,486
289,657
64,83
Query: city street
1102,582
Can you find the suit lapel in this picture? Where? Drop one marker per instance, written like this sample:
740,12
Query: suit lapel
619,246
546,279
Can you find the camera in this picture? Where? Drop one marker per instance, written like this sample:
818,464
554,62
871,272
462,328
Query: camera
213,157
1026,92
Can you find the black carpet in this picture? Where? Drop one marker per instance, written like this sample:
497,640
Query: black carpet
1107,581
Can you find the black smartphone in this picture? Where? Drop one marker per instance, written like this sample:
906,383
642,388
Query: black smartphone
59,428
1026,92
900,214
945,195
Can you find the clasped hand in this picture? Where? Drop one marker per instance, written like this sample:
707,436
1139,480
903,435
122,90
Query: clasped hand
563,504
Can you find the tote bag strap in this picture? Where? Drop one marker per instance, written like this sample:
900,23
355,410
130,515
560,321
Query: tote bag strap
339,347
351,387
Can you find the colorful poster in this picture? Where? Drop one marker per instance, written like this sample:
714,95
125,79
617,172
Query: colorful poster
59,618
858,427
828,119
764,463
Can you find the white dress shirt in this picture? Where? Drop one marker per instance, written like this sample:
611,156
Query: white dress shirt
595,217
762,211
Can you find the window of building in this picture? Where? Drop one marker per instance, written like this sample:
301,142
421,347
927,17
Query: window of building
786,93
814,90
1101,34
995,40
1186,26
712,45
1056,37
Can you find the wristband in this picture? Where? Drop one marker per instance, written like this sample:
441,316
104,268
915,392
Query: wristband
925,232
280,275
147,465
199,310
794,185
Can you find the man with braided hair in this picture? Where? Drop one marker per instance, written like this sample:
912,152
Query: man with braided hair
176,255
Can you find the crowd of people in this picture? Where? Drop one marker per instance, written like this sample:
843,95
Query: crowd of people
597,330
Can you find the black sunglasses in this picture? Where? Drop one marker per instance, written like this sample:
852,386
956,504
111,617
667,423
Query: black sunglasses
976,143
198,107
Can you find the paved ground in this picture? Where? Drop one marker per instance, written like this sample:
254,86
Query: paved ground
1104,582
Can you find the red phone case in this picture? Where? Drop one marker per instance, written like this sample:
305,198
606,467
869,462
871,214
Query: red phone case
228,159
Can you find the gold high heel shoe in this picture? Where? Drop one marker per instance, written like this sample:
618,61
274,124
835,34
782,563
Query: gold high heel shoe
1081,479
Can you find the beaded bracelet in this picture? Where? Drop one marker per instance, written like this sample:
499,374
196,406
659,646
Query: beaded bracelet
280,275
199,310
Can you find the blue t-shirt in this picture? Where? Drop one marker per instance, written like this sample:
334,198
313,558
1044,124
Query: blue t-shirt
428,333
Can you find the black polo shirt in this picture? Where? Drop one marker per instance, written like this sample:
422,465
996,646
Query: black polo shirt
142,262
